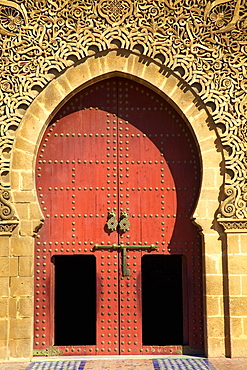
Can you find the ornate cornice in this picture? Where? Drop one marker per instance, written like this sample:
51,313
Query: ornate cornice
233,225
203,41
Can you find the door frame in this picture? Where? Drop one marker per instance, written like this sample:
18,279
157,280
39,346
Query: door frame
184,99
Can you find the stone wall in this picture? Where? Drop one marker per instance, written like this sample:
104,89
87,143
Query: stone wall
192,53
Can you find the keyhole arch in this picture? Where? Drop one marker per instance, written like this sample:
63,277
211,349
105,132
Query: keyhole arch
96,68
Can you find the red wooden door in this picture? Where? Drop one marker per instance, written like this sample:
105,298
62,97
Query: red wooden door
118,177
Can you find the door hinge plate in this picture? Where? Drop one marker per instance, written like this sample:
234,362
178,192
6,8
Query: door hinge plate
52,351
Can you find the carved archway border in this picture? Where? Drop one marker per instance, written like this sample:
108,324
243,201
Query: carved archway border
101,66
203,41
167,84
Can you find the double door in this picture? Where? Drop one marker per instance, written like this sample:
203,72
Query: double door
118,261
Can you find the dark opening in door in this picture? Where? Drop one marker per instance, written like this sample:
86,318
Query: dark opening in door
75,300
162,300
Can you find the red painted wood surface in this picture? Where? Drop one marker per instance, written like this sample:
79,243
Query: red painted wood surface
118,146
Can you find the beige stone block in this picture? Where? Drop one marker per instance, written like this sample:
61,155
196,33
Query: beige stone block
27,180
3,329
25,266
16,232
172,90
190,114
26,228
243,243
237,327
21,349
20,328
130,65
244,326
209,193
211,207
244,285
238,306
35,212
4,246
238,347
188,98
235,285
215,347
51,97
3,307
15,179
237,264
23,144
22,246
75,77
21,286
233,243
213,264
4,286
32,123
151,73
26,307
208,143
24,196
13,305
13,266
211,159
4,266
209,180
96,67
22,210
201,123
214,285
216,327
203,222
213,244
22,160
213,306
3,350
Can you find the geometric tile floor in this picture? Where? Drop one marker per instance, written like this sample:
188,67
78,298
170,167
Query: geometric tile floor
182,364
164,363
57,365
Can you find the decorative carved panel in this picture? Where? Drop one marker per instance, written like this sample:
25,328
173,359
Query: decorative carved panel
7,220
204,41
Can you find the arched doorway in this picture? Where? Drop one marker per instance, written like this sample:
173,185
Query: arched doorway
118,177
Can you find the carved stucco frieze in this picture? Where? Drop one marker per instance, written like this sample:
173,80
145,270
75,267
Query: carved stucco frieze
7,219
204,41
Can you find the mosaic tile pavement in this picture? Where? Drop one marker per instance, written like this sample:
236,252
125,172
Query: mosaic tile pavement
182,364
57,365
132,364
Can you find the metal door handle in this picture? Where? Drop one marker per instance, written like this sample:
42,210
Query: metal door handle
124,223
112,221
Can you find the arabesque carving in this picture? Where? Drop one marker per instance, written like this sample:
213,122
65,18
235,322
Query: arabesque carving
204,41
6,209
7,219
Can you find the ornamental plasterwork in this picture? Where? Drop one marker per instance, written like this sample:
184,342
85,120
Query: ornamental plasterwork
7,218
204,41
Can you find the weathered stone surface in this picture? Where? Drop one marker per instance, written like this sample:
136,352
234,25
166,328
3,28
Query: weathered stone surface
21,246
237,264
3,307
4,286
21,286
26,266
3,329
4,266
238,306
20,328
